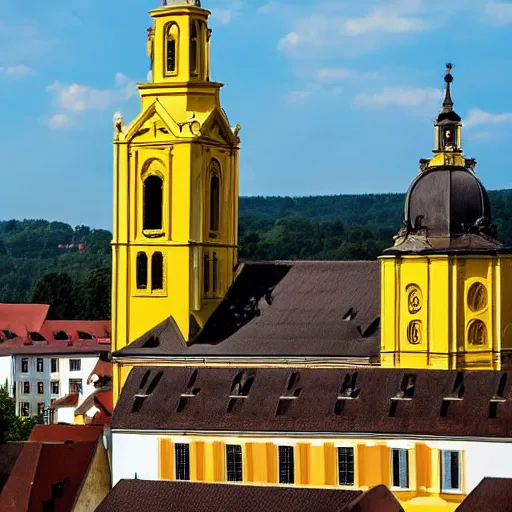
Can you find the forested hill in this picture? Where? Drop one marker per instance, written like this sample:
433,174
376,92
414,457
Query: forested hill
70,267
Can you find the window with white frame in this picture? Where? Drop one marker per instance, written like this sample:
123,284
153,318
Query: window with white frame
75,365
24,365
75,385
54,365
286,465
40,408
182,461
346,465
40,364
24,409
400,467
234,463
450,471
40,388
26,388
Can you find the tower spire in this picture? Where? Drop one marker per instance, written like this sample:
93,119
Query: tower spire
448,102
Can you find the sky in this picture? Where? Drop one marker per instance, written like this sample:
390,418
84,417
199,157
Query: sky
334,97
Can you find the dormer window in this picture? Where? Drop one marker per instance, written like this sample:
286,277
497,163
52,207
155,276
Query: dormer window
172,48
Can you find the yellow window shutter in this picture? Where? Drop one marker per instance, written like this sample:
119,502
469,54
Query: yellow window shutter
166,459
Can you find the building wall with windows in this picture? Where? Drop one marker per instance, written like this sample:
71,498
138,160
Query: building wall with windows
419,472
41,379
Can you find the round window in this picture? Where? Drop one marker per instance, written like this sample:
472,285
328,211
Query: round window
477,297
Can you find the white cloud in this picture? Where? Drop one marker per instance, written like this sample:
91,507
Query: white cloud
337,91
477,117
74,99
297,97
289,42
18,71
339,74
223,15
499,12
58,121
399,96
268,8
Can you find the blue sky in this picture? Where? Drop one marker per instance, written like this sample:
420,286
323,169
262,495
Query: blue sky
333,96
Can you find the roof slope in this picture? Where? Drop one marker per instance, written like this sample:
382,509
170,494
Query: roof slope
368,400
64,433
284,309
490,495
46,473
9,454
165,496
22,318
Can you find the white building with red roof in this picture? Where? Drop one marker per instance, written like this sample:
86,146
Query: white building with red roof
43,361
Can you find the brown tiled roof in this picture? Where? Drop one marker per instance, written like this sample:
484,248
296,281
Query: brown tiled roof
46,472
9,453
63,433
165,496
368,400
490,495
284,309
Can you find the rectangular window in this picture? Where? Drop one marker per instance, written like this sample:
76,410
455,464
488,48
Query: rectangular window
182,456
234,463
75,365
24,365
286,465
40,388
26,388
346,466
54,365
75,385
40,409
24,409
40,364
54,387
450,470
400,467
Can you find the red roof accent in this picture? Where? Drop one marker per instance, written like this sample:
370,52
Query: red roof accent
22,318
63,433
70,400
102,369
41,466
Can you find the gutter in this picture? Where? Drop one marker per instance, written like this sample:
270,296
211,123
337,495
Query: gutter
281,434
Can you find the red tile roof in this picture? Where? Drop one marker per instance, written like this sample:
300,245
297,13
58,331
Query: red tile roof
103,400
9,453
70,400
45,473
24,319
63,433
102,369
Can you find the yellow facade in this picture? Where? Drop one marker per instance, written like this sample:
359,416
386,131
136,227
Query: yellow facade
175,188
316,464
446,311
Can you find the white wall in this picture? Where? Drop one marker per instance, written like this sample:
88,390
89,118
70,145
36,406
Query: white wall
134,453
63,375
138,453
6,372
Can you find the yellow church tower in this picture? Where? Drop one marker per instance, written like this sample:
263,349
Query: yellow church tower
175,186
446,299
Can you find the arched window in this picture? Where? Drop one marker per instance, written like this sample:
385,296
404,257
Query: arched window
215,273
172,47
142,271
214,199
157,271
153,195
193,48
206,273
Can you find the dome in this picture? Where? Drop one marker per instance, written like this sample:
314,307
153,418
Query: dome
447,202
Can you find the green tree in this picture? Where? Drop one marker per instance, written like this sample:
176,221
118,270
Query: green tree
94,294
57,290
12,427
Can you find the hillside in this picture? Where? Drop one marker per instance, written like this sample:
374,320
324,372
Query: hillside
317,227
